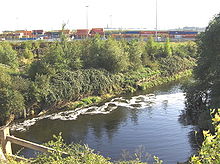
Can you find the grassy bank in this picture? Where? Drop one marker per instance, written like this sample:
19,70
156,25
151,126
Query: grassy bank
161,80
141,80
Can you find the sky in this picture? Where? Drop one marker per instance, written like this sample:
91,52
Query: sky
51,14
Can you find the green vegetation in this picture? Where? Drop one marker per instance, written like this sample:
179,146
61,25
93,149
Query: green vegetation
210,150
7,55
204,93
84,102
160,80
41,76
74,154
36,76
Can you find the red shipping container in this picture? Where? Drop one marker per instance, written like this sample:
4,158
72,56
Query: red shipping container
189,35
82,32
95,31
162,32
147,32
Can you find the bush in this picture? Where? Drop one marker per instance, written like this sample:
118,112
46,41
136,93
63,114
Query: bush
113,57
210,150
77,154
11,103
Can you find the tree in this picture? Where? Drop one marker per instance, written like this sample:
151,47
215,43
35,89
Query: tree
113,57
8,56
74,55
92,51
207,73
151,48
204,92
53,61
5,79
135,50
167,48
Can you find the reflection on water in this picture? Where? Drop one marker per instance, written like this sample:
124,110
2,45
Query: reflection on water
148,121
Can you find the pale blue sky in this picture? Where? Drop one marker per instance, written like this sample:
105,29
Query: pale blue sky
50,14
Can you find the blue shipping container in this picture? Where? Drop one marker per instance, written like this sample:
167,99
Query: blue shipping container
131,32
182,32
190,32
28,38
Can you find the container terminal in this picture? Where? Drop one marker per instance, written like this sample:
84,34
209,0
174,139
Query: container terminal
25,35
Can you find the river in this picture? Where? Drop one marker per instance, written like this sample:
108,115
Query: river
146,123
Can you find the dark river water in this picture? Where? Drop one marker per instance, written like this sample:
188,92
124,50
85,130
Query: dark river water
146,123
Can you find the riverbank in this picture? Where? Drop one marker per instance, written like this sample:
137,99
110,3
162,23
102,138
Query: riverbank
161,80
147,81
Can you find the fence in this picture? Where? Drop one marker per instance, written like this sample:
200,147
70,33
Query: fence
6,140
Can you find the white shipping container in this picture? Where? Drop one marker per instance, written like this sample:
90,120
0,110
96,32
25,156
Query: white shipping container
177,36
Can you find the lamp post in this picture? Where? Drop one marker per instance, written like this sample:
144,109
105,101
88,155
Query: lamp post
87,17
156,23
110,17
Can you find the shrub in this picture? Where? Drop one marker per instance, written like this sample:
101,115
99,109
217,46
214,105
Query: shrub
210,150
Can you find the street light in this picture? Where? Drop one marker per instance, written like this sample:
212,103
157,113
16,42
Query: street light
87,17
110,16
156,22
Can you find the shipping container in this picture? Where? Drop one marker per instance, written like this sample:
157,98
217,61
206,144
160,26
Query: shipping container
177,36
182,32
82,32
98,29
162,32
131,32
28,38
95,31
189,36
24,32
171,36
147,32
37,32
147,35
116,36
190,32
42,35
32,36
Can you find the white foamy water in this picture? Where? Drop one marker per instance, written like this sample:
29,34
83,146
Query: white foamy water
141,101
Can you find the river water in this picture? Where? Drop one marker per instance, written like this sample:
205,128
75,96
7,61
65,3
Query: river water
146,123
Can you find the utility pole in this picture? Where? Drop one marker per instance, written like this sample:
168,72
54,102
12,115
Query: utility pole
156,23
87,20
87,16
16,23
110,17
